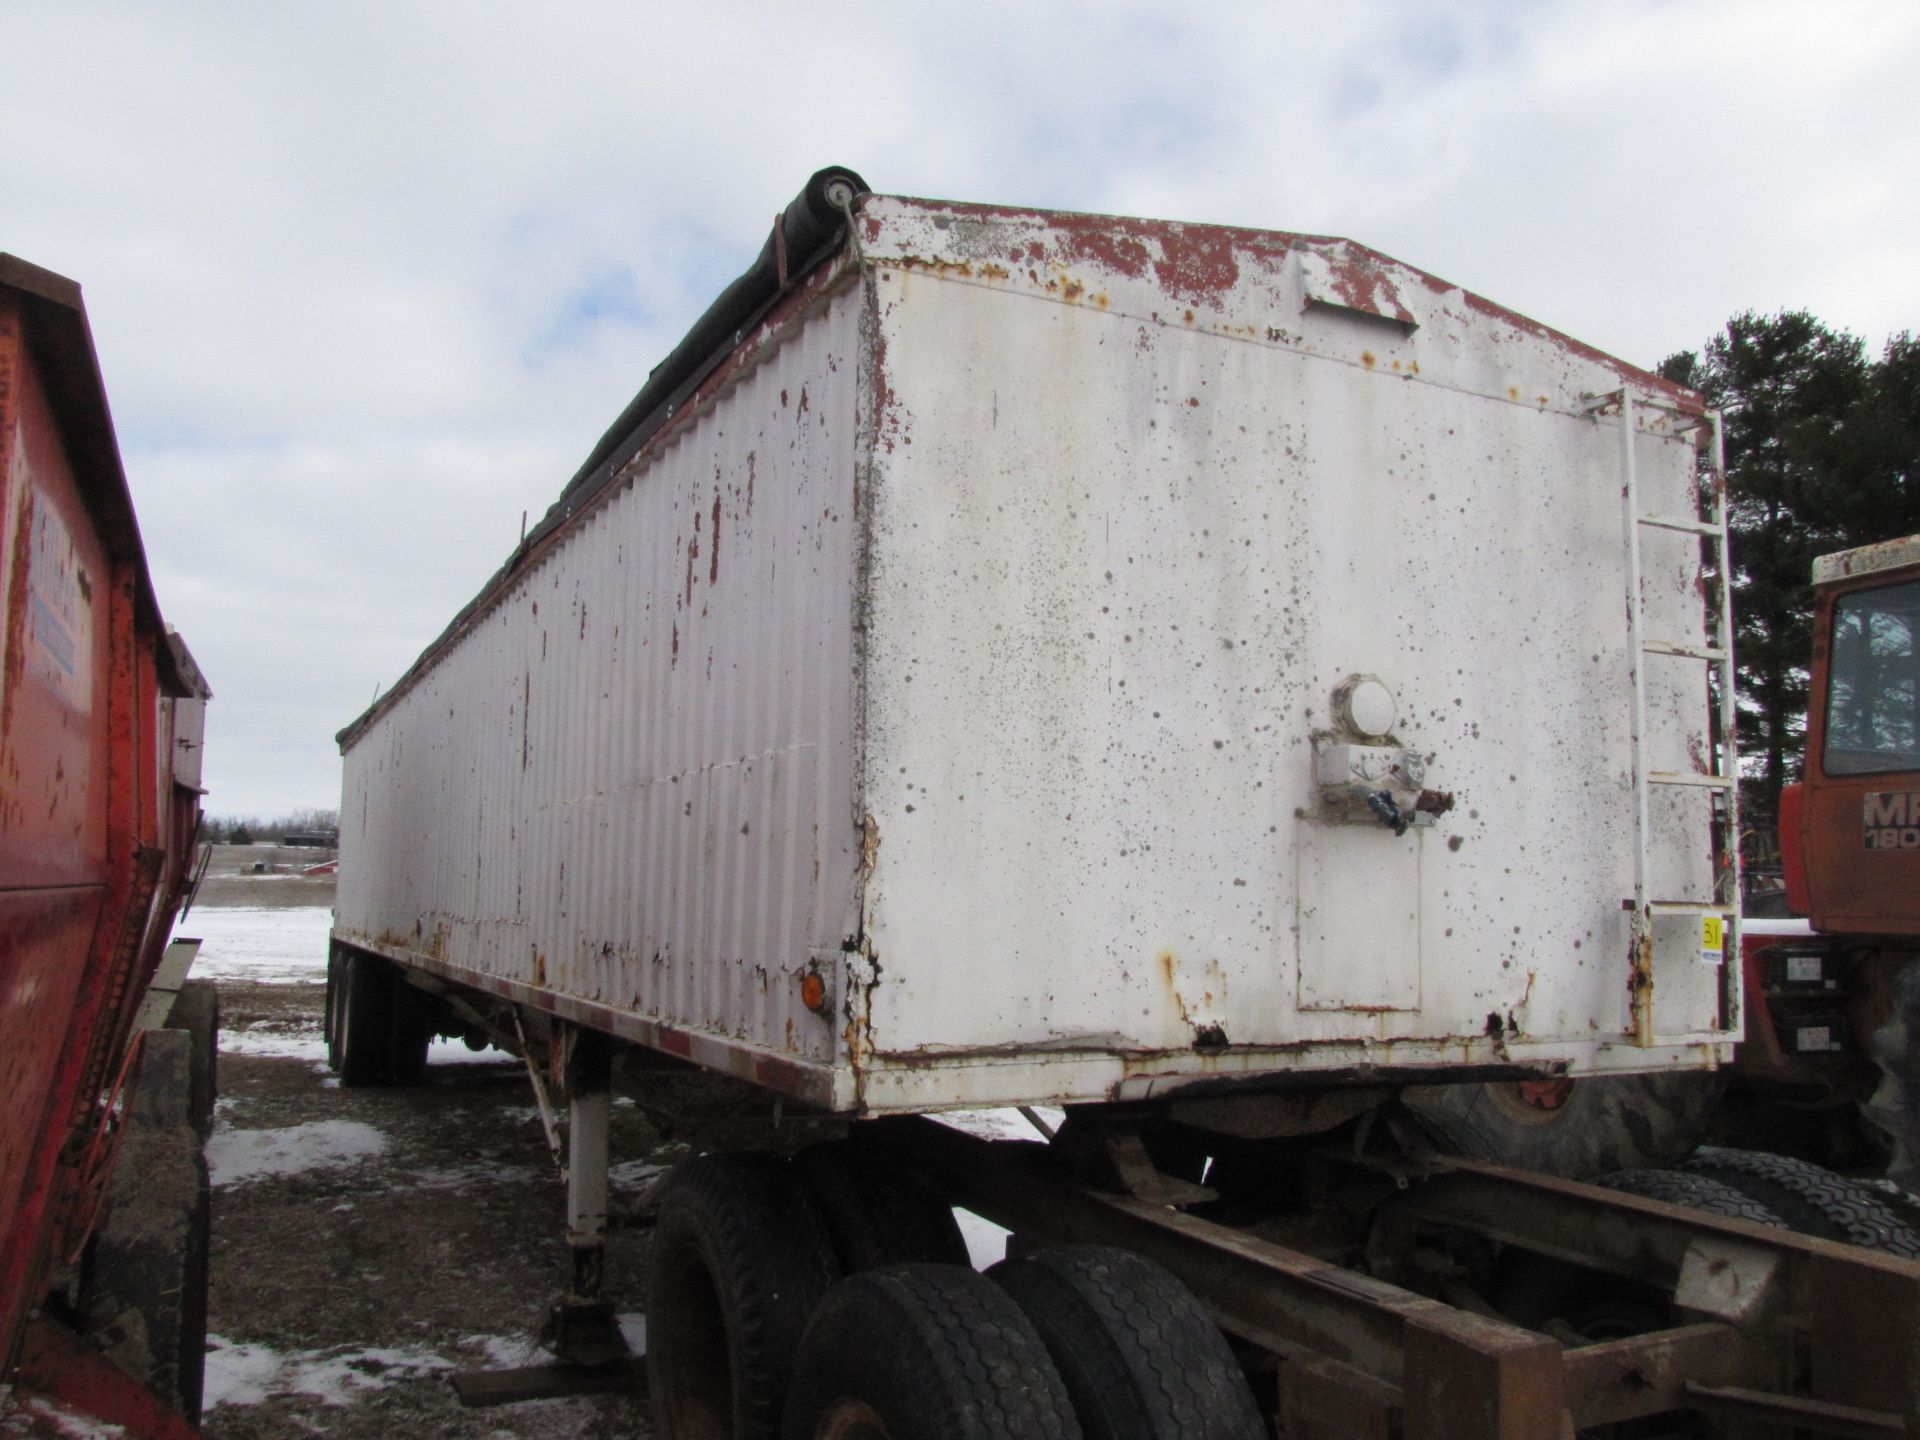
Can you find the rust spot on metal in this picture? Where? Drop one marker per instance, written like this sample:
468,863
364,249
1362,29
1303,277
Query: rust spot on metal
1357,277
1197,262
693,554
1097,240
1366,359
713,569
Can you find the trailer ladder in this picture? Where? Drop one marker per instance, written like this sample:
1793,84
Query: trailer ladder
1718,914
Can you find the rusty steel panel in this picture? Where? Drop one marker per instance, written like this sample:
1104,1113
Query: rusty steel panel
1144,496
1006,710
630,784
96,827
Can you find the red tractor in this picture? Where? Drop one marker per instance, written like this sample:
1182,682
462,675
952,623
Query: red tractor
1834,1003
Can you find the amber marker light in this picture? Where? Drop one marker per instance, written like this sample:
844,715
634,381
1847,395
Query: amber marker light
813,991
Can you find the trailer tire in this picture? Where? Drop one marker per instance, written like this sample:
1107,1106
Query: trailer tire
1695,1191
1602,1123
739,1259
196,1010
1141,1358
1812,1200
925,1352
377,1035
878,1213
143,1286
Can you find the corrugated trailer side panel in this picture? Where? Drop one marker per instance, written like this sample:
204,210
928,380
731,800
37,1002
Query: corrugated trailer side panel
628,787
1141,502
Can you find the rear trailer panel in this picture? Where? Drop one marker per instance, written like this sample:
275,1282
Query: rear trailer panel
979,653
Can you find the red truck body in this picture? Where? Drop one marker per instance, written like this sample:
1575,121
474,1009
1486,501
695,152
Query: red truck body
1850,831
1833,999
100,733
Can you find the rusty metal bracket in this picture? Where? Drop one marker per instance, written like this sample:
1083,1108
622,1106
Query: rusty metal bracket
1818,1416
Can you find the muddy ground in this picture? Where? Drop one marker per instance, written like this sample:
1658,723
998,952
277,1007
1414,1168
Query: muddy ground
367,1243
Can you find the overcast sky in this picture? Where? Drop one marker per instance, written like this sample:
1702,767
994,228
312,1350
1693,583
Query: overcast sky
368,280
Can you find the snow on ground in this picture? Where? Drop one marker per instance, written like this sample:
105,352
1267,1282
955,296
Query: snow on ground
244,1374
286,946
38,1417
986,1241
1001,1124
235,1157
274,1044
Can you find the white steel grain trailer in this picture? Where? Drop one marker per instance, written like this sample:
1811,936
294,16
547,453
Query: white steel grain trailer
1230,683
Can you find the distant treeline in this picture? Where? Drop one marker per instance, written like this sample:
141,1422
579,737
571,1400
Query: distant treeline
253,830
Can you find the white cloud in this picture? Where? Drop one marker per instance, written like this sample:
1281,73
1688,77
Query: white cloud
368,280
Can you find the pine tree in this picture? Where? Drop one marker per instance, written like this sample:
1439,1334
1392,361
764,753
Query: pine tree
1823,453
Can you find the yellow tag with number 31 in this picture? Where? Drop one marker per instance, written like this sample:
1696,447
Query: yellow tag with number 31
1713,939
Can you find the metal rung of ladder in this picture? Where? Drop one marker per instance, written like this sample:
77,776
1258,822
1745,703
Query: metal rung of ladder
1610,402
1642,908
1689,652
1690,527
1688,777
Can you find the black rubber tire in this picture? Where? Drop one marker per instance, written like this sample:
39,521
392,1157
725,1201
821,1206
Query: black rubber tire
196,1009
1608,1123
878,1213
143,1288
379,1031
739,1259
1812,1200
1141,1358
925,1352
1696,1192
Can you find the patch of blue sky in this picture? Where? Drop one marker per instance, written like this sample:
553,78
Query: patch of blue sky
1431,44
140,434
607,297
678,270
1076,157
1425,47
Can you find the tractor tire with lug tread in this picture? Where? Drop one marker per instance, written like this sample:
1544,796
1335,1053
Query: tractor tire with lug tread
1578,1128
1812,1200
1696,1192
1141,1358
877,1213
925,1352
143,1284
739,1259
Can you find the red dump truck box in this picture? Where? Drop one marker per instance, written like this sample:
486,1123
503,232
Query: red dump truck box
100,740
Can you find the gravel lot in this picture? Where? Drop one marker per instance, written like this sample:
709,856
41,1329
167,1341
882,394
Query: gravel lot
367,1243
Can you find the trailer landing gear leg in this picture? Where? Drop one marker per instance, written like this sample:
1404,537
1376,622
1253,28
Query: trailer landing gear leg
582,1330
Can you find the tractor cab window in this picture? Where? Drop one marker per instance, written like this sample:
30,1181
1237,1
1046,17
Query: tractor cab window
1873,695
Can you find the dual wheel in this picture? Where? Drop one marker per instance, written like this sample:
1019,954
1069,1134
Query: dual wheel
785,1301
377,1026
